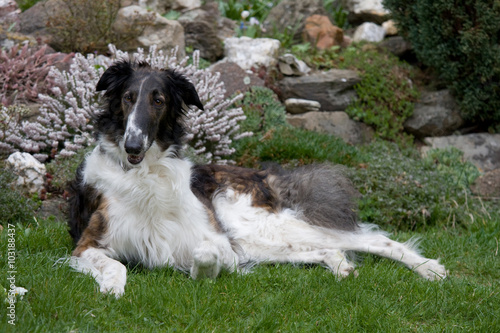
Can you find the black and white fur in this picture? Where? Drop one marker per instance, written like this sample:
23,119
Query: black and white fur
136,200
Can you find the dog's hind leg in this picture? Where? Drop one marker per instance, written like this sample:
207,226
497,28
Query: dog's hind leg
376,243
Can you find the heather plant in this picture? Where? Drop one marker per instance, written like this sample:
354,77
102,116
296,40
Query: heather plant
24,73
64,126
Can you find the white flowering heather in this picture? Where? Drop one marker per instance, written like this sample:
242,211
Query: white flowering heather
64,125
210,132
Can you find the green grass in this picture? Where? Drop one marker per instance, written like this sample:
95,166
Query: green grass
384,297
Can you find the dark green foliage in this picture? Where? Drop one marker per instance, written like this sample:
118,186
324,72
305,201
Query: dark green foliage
460,40
15,207
403,191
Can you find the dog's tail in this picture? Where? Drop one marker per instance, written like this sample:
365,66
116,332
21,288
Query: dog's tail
321,193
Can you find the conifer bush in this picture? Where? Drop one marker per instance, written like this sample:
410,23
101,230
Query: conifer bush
460,40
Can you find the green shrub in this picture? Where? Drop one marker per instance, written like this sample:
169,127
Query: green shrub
460,40
404,191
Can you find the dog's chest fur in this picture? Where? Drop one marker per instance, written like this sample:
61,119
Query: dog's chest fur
153,216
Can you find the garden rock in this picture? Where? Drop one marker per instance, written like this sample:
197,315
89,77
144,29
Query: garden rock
35,19
320,31
165,34
481,149
435,114
397,46
487,185
235,78
252,52
333,89
288,64
164,6
200,32
365,11
9,13
29,170
292,14
369,32
335,123
298,106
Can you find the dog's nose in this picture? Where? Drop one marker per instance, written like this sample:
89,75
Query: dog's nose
133,147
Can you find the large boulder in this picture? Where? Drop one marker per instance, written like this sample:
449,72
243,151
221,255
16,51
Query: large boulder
335,123
252,52
165,34
333,89
435,114
481,149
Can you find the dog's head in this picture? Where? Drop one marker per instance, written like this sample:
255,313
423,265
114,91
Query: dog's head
144,105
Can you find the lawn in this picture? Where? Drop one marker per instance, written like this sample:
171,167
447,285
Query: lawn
385,297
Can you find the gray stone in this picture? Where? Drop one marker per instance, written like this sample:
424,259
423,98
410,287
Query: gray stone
235,78
436,114
34,20
30,172
252,52
369,32
200,31
164,6
297,106
290,65
481,149
397,46
165,34
333,89
335,123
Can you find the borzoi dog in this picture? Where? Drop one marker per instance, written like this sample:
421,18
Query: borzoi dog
136,200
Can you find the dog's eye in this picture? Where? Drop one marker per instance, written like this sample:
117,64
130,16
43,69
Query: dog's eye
158,102
127,98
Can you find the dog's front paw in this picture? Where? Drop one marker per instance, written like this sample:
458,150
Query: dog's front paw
205,262
113,280
431,270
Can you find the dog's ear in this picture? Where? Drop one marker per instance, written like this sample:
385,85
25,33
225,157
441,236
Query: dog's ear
184,88
114,77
